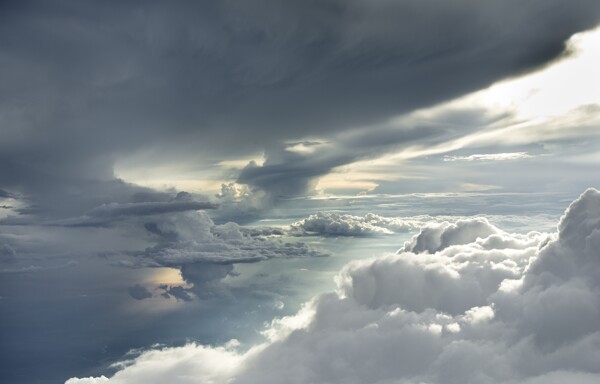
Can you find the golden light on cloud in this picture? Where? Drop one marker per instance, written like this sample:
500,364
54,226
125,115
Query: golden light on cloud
238,164
364,176
333,182
169,276
182,176
189,185
305,147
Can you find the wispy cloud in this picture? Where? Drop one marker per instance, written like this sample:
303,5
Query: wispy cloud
490,157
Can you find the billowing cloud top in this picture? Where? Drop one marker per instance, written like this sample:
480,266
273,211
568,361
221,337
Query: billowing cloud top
487,306
334,224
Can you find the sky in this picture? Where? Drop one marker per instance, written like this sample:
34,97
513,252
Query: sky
322,191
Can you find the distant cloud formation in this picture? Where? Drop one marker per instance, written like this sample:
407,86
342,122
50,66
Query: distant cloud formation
206,252
482,306
490,157
335,224
193,238
434,231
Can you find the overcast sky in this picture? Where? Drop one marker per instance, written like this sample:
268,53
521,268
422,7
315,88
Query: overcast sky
189,171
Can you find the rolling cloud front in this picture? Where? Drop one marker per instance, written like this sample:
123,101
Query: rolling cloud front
316,191
460,302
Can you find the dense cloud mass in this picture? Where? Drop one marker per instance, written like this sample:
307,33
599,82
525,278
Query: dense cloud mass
435,232
335,224
92,83
437,237
484,307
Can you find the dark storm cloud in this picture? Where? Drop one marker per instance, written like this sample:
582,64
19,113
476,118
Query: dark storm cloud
86,83
287,173
145,209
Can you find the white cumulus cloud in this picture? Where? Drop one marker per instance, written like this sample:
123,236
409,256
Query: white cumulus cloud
336,224
473,304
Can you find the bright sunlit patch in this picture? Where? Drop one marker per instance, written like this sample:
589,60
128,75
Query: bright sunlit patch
330,184
182,176
479,314
558,102
557,89
365,176
472,187
169,276
282,327
9,207
568,84
305,147
188,185
156,281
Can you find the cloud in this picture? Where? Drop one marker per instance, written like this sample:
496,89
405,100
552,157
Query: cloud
490,157
205,252
114,210
178,292
430,228
139,292
500,308
437,237
7,254
6,194
193,237
88,380
335,224
109,213
267,74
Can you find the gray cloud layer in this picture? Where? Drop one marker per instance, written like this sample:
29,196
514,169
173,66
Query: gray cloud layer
86,84
109,213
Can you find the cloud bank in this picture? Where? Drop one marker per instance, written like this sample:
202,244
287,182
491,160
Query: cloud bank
335,224
433,230
472,304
